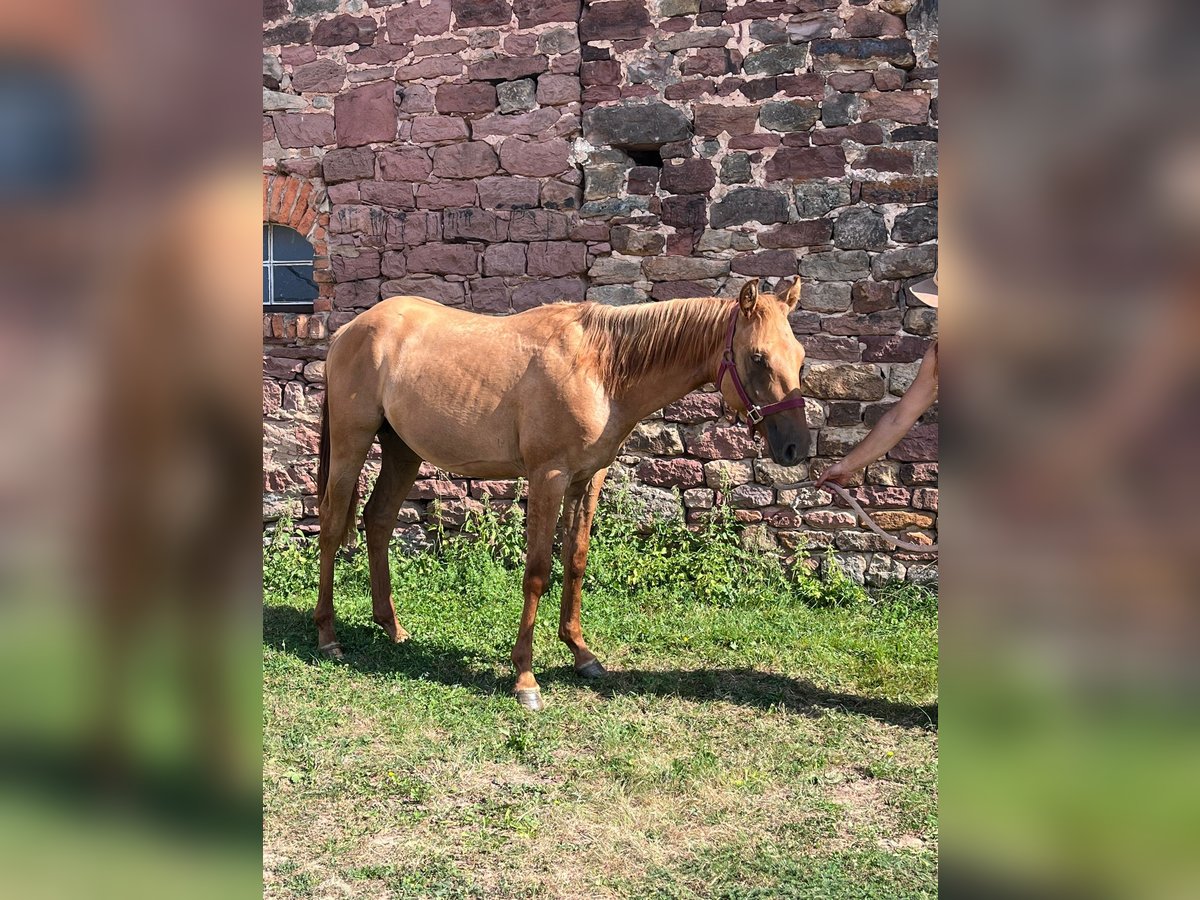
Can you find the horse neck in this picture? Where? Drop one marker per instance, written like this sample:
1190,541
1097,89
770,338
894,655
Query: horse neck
667,380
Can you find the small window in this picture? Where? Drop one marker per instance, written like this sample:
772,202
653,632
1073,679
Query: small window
288,283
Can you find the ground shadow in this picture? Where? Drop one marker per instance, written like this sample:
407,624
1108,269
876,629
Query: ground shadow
367,650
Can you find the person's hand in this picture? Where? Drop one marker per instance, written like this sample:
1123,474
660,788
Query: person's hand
839,472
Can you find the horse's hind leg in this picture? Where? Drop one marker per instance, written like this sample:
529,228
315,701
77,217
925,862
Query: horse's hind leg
578,511
396,476
348,452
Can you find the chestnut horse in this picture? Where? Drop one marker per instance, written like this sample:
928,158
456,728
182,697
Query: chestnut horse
549,395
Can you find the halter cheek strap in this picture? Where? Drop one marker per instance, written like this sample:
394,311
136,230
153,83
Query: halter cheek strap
754,413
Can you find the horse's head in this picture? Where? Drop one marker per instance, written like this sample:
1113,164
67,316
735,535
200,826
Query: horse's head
768,358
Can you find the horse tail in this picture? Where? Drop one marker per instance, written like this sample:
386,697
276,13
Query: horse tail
350,532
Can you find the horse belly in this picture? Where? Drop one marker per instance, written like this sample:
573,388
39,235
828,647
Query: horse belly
471,443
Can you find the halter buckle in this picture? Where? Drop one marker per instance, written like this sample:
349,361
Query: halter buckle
754,415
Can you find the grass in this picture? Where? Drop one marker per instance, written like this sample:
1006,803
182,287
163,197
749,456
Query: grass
760,734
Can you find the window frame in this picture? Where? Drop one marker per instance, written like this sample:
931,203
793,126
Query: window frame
271,305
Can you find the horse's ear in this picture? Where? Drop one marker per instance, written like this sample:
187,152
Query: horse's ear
792,297
748,297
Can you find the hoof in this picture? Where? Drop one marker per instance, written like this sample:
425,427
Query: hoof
531,699
333,650
394,631
591,669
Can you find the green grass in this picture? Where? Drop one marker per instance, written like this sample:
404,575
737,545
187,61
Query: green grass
760,735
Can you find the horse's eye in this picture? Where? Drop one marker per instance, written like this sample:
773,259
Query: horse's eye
758,358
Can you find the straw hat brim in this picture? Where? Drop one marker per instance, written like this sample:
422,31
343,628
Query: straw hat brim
926,291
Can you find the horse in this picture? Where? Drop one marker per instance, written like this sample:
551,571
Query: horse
548,395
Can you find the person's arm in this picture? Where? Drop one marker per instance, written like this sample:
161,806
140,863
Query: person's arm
892,426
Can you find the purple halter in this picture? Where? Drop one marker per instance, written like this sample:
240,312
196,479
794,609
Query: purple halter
754,413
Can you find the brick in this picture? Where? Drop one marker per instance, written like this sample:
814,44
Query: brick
897,106
472,224
843,381
538,225
682,473
862,133
556,258
364,264
614,20
433,129
743,205
505,192
474,97
472,159
806,163
871,296
489,295
713,119
446,194
900,190
348,165
539,12
549,290
811,233
304,129
323,75
406,164
507,68
873,23
894,348
887,159
412,18
443,259
504,259
773,263
863,52
689,176
535,158
477,13
556,90
397,194
366,114
344,29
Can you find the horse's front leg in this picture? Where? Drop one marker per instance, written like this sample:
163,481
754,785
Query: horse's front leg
546,490
578,512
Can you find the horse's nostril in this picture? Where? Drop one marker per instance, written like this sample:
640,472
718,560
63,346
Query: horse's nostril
789,454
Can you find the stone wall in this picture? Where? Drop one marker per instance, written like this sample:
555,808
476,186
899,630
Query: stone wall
500,154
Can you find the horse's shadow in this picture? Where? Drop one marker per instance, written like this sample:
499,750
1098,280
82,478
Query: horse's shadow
367,650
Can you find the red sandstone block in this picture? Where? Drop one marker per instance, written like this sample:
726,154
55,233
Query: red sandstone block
366,114
471,159
693,408
888,159
446,194
443,259
475,97
898,106
535,158
551,290
712,119
556,258
809,233
437,489
873,23
406,164
501,192
507,68
807,163
862,133
433,129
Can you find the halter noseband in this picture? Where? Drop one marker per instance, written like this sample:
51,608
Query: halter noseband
754,413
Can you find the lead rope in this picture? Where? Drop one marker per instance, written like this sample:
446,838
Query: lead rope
864,518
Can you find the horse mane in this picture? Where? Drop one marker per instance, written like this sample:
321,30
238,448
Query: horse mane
629,343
